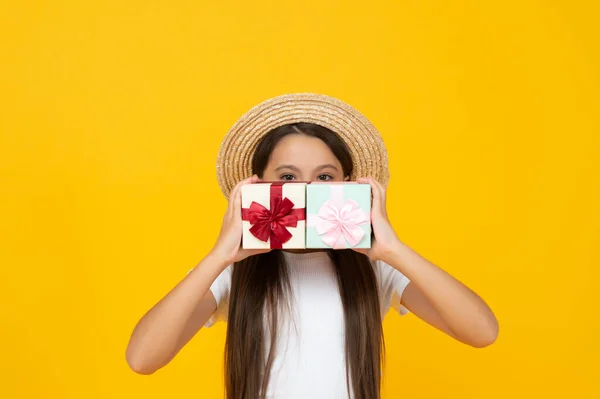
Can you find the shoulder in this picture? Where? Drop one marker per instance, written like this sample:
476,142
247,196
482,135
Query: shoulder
388,275
222,285
391,283
221,288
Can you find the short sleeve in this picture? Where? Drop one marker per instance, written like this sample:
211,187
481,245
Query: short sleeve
220,289
392,284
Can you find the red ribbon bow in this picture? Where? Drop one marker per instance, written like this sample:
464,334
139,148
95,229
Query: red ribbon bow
271,223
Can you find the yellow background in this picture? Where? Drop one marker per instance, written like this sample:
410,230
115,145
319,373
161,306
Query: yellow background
111,116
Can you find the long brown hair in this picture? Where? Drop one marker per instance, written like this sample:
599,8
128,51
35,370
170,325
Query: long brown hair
259,288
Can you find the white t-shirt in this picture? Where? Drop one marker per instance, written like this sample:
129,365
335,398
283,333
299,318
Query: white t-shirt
310,357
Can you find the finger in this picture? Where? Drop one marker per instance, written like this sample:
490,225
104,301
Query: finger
381,193
376,205
237,201
232,197
379,187
375,192
237,205
247,180
235,193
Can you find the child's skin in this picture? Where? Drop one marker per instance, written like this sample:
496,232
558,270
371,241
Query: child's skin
432,295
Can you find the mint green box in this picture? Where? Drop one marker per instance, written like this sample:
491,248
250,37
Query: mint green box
338,215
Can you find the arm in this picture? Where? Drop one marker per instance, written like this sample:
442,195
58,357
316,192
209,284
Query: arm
442,301
433,295
175,319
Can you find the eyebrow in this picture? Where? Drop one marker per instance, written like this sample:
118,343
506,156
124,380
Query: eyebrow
294,168
327,166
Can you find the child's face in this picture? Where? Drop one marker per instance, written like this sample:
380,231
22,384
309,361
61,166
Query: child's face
300,157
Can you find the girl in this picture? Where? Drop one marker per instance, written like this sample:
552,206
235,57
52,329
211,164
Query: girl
305,323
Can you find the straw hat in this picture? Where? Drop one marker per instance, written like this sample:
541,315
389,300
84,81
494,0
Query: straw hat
362,138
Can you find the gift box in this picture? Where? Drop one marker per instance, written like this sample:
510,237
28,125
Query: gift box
274,215
338,215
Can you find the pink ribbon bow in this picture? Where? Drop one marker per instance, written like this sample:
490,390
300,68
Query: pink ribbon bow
340,224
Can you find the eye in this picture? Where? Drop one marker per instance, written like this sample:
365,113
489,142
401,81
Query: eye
287,176
325,177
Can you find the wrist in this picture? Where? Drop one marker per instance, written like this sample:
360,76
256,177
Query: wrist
393,253
214,257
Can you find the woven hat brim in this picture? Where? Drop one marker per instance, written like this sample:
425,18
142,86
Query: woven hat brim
366,146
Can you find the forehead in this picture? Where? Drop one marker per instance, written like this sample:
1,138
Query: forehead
298,147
